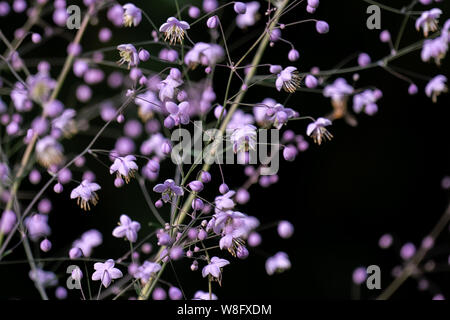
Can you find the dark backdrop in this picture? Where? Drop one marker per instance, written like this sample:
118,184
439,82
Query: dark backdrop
382,176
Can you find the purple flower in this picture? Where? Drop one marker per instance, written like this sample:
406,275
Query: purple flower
367,101
359,275
168,189
317,130
132,15
85,194
147,270
339,90
206,54
174,30
278,263
65,123
244,138
37,226
179,113
407,251
127,228
7,221
240,7
214,268
435,48
148,103
175,293
285,229
288,80
45,245
212,22
239,119
128,54
322,27
49,152
224,203
89,240
168,87
201,295
45,278
250,16
436,86
278,115
105,272
124,167
428,21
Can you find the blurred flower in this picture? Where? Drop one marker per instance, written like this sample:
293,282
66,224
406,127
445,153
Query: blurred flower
278,263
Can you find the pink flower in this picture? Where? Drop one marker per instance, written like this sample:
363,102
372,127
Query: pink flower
85,194
317,130
124,167
428,21
214,268
105,272
132,15
288,80
174,30
128,54
127,228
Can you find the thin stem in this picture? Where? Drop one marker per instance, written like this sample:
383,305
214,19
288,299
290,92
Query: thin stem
416,259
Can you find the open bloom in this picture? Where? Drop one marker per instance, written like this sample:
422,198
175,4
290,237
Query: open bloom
317,130
250,16
105,272
436,86
179,113
278,115
224,202
214,268
147,270
428,21
244,138
85,194
174,30
127,228
288,80
278,263
128,54
124,167
338,92
132,15
168,189
168,87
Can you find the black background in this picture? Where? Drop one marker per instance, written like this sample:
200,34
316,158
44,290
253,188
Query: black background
382,176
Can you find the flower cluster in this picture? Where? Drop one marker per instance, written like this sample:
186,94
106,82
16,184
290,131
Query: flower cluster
168,84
